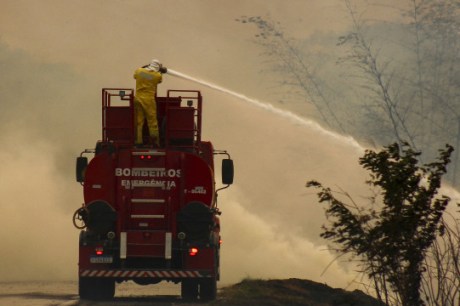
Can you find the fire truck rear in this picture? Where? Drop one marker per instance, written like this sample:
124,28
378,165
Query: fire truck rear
150,213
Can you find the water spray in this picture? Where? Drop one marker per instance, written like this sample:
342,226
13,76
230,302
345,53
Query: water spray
269,107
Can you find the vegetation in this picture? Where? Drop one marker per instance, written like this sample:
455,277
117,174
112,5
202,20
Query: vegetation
387,81
289,292
392,236
380,81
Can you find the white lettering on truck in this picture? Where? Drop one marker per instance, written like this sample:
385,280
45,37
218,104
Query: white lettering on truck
148,172
148,177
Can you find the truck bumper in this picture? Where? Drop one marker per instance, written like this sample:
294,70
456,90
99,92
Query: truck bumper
135,274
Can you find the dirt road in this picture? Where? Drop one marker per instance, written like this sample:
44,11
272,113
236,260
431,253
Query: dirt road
66,294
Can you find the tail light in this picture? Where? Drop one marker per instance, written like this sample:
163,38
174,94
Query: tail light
99,251
192,251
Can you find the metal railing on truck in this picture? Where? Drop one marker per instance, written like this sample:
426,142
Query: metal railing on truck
179,117
118,115
183,122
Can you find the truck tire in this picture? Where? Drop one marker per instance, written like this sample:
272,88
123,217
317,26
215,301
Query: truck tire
96,288
189,289
208,289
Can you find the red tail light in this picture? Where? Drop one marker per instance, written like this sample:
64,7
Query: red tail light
193,251
99,251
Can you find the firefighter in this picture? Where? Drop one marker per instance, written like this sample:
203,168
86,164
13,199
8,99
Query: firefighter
147,79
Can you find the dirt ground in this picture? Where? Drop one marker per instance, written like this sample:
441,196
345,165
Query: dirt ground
249,292
66,294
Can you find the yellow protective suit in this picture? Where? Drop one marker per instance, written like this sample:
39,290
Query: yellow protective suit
144,102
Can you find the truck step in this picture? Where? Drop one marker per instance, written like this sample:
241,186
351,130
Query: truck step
138,243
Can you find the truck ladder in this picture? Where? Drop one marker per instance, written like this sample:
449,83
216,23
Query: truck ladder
148,229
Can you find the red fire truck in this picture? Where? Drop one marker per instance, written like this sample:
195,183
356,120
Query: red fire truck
150,213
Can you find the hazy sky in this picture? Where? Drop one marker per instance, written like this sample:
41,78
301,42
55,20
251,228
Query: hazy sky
56,55
113,37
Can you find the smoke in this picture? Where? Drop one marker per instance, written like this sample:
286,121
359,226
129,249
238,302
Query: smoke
39,123
274,157
38,241
268,206
270,221
254,248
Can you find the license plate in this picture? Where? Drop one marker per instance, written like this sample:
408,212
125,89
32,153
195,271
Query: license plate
101,259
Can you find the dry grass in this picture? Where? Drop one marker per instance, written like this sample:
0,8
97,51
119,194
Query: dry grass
290,292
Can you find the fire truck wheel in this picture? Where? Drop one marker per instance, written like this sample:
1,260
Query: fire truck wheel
189,289
208,289
96,289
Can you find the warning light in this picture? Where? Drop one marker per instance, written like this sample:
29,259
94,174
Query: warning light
145,157
99,251
193,251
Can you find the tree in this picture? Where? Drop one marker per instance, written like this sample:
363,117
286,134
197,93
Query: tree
290,59
441,278
378,78
391,236
435,29
409,73
390,80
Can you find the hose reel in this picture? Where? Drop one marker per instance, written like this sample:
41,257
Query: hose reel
98,216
